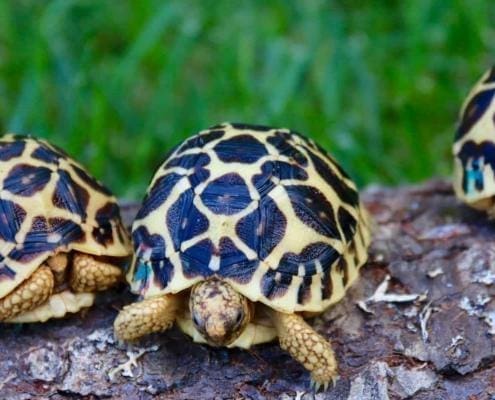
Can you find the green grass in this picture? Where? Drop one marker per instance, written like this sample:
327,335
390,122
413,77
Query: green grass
118,83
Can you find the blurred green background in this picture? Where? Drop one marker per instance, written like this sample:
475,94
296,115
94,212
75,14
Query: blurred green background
118,83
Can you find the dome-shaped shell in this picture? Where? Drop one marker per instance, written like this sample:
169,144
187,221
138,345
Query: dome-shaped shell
474,145
49,203
265,209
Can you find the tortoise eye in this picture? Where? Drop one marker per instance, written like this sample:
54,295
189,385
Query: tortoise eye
195,320
238,319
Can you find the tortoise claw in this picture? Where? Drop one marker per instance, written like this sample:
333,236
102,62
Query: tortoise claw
316,386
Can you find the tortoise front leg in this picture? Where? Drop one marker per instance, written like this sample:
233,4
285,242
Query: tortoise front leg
148,316
308,347
33,292
88,274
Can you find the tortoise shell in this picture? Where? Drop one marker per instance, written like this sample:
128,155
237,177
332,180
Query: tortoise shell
50,204
474,145
264,209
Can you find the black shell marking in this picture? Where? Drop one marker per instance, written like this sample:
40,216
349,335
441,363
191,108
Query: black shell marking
188,161
473,157
323,253
196,259
47,155
284,147
347,223
158,194
90,181
150,255
199,141
6,273
25,180
184,220
226,195
250,127
242,149
70,196
263,229
275,284
46,236
346,193
146,246
9,150
312,208
475,108
12,216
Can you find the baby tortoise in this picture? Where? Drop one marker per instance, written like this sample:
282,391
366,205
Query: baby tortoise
244,231
474,147
61,236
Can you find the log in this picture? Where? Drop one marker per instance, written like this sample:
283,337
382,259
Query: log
418,324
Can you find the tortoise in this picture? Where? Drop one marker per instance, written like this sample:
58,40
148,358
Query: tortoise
244,231
61,236
474,147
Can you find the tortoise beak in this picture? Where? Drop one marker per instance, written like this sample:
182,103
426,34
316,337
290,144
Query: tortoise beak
216,334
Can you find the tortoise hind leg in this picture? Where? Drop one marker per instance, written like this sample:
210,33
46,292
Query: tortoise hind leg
89,274
148,316
308,347
33,292
58,264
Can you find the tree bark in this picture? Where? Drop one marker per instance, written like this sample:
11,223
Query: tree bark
418,324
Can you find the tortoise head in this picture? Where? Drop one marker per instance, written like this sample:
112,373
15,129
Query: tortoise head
218,311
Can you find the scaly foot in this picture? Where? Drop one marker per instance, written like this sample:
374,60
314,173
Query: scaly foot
33,292
148,316
88,274
308,347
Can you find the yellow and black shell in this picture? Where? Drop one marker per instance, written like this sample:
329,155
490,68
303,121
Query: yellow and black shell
50,204
264,209
474,145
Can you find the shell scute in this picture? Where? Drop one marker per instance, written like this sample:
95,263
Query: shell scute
25,180
196,259
69,195
12,215
158,194
346,193
281,141
275,284
45,236
183,228
188,161
240,149
313,209
199,141
347,223
89,180
226,195
264,228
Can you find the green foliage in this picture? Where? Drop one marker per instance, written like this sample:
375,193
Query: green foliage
118,83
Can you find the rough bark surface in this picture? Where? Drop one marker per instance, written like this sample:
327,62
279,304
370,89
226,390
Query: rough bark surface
390,344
